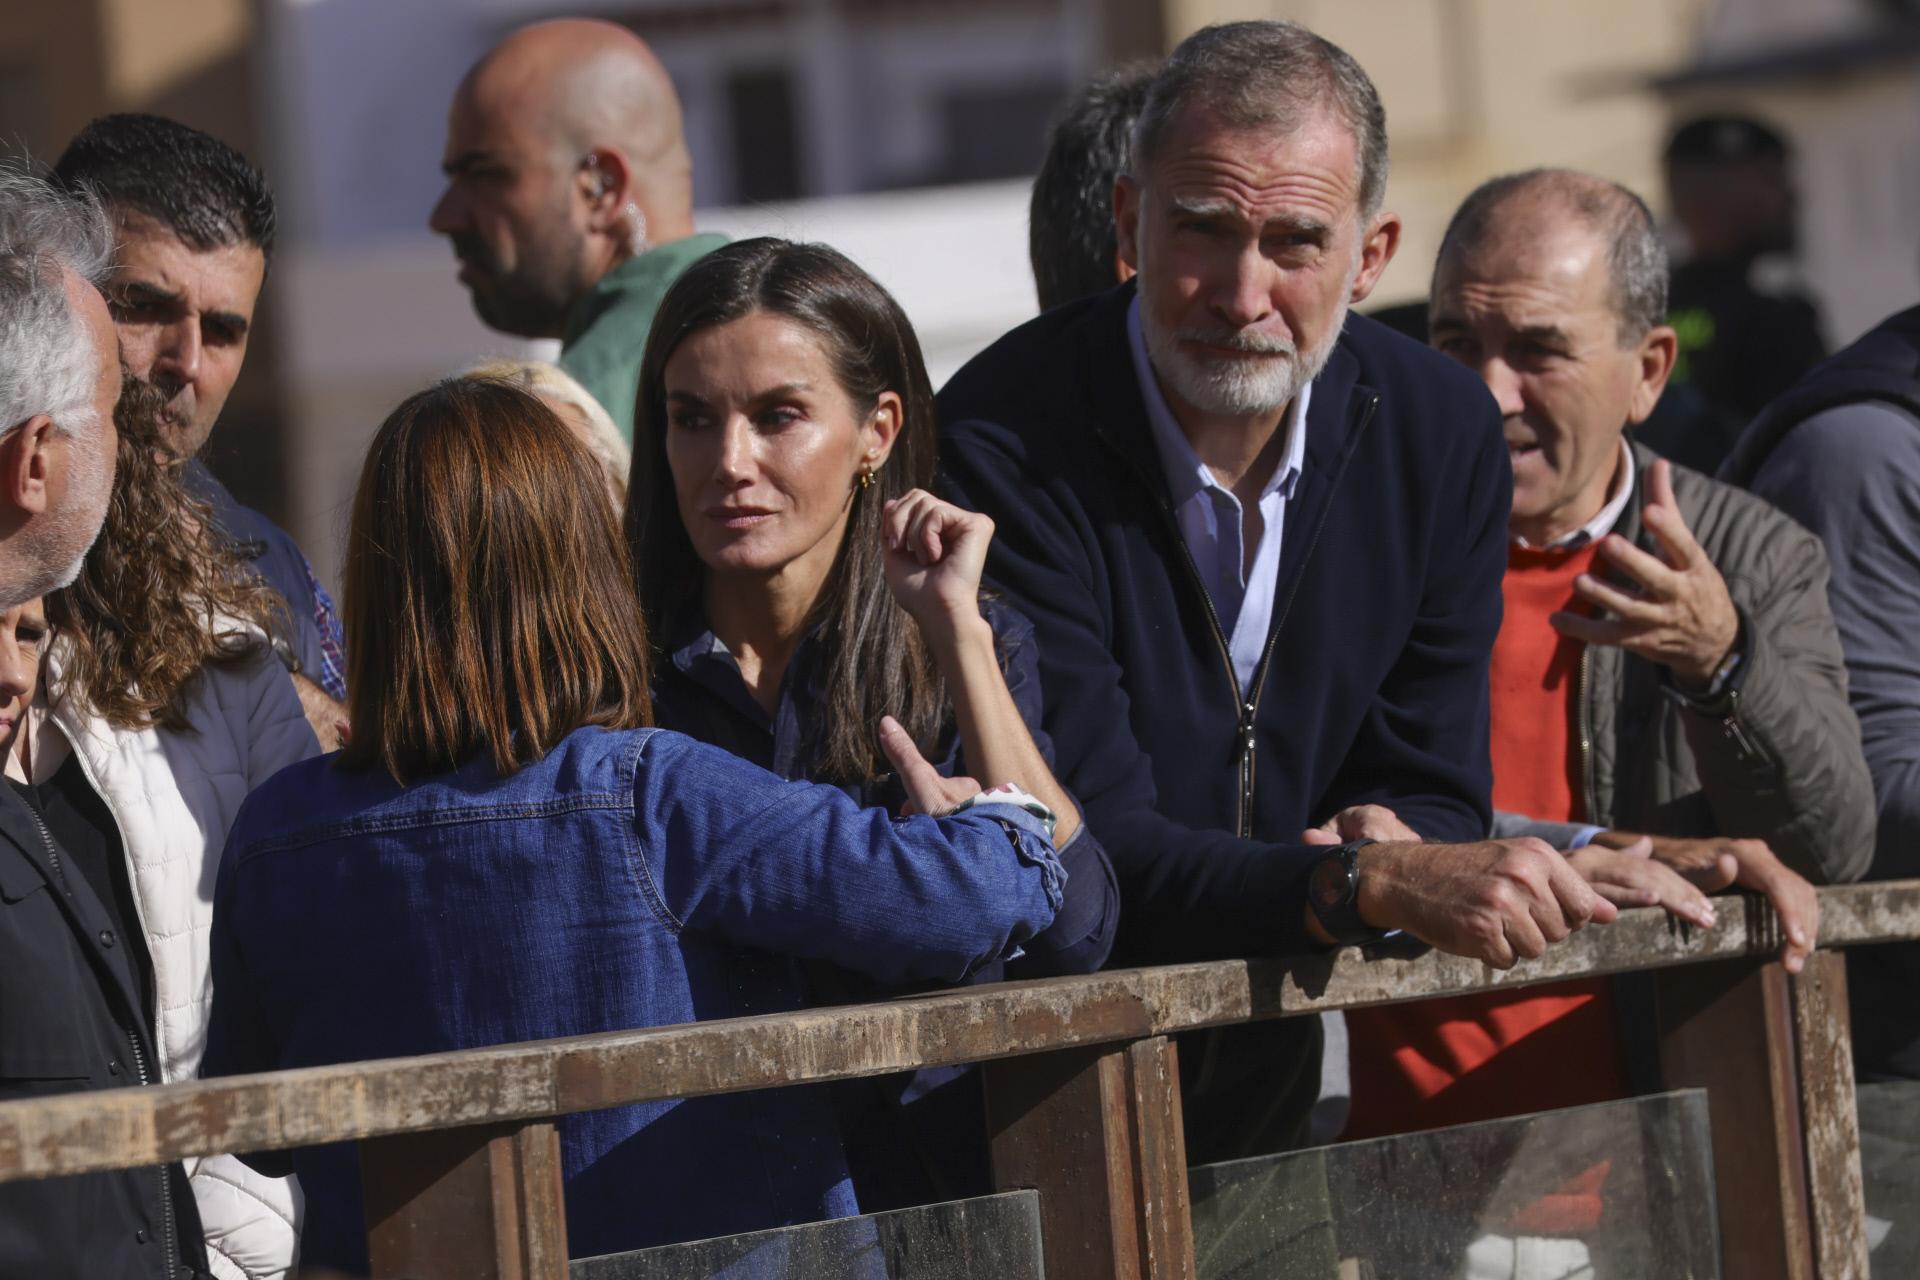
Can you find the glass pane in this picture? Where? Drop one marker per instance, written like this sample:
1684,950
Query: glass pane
1890,1160
1617,1191
990,1238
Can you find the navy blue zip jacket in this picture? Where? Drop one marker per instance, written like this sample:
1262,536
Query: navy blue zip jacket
1373,684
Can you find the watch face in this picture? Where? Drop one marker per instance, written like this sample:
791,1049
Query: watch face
1328,884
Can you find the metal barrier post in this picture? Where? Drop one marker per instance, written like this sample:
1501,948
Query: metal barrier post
1098,1132
480,1203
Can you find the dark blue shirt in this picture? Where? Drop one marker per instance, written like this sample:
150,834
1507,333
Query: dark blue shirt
313,623
1372,685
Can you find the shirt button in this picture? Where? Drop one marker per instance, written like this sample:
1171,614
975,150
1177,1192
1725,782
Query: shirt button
106,937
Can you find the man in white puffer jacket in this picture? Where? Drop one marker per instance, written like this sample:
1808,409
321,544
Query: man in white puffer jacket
162,690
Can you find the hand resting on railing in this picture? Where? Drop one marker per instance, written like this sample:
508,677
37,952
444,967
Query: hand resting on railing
1633,870
1497,901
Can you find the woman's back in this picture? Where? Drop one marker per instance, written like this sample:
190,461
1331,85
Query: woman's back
628,878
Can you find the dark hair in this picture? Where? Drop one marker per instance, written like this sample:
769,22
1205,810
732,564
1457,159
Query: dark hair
161,595
877,663
1070,234
488,601
1720,140
1268,75
1636,258
191,183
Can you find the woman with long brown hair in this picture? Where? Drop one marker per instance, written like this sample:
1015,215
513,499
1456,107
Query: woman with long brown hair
163,706
805,583
506,851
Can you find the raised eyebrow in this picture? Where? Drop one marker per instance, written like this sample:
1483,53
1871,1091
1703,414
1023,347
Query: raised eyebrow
1547,333
1201,208
1446,323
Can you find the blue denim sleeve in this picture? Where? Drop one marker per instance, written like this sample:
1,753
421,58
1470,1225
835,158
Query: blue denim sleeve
1081,936
802,869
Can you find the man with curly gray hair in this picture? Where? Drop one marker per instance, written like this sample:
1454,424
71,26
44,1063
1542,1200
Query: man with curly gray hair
74,1010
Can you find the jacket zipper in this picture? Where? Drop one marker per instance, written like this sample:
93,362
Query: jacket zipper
170,1239
1590,793
1243,731
1252,706
1248,705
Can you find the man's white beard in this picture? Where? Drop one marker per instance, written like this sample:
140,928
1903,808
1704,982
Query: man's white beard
49,553
1239,386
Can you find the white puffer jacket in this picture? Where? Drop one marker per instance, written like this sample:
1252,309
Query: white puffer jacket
174,795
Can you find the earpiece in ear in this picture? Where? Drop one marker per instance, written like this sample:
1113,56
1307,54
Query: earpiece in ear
601,186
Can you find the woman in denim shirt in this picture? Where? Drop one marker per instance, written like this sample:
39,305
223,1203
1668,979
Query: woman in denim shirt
505,851
804,581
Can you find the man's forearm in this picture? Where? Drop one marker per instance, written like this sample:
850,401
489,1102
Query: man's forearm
1785,766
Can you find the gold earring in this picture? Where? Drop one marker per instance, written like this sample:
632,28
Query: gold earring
866,477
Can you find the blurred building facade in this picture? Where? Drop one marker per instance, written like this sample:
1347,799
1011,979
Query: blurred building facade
902,131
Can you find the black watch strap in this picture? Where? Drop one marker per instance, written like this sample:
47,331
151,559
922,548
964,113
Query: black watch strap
1333,894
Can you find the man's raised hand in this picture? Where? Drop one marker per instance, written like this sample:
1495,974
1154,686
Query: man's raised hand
1681,616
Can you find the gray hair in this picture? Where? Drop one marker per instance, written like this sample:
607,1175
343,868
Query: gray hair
1267,75
1636,258
47,359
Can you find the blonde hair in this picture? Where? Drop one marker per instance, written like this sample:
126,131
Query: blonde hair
550,382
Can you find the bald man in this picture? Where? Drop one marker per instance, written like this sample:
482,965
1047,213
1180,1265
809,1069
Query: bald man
569,196
1666,661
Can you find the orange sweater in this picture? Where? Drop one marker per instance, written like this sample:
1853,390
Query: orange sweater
1453,1061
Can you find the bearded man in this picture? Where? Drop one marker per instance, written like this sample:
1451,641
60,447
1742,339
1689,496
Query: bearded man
1261,540
569,198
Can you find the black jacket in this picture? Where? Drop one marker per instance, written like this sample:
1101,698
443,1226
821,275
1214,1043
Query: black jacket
70,1020
1373,685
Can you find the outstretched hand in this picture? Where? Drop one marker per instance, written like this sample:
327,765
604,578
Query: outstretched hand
1716,863
936,553
1630,876
1681,616
928,791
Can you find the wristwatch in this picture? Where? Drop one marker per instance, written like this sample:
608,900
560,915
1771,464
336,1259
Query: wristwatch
1333,892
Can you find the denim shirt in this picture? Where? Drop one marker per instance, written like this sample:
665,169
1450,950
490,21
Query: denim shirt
628,879
897,1125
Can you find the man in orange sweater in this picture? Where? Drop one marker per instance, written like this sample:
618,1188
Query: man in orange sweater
1666,663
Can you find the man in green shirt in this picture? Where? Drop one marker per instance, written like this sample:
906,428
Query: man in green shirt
569,196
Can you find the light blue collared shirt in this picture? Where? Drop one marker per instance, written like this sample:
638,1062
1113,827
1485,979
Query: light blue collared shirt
1211,518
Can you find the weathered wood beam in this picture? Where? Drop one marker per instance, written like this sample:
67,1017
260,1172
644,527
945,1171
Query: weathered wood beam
127,1127
1098,1133
1830,1118
1728,1029
483,1203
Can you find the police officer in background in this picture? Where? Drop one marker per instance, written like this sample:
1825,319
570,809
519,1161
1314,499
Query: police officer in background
1742,343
